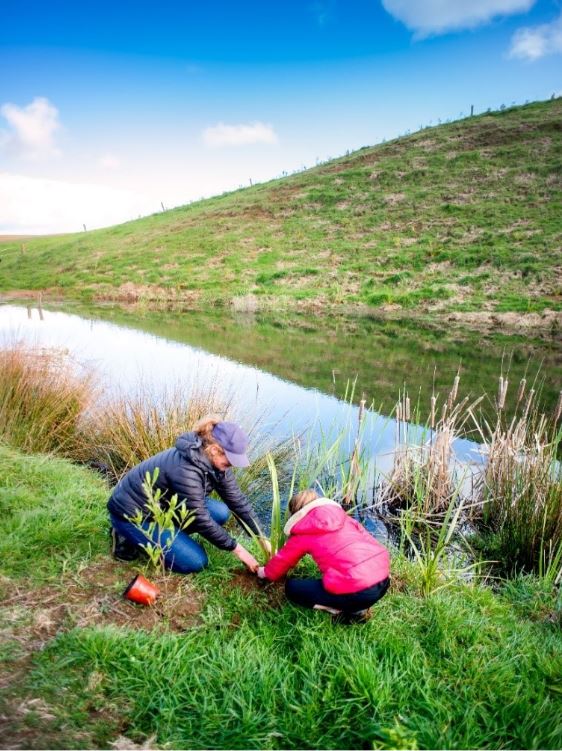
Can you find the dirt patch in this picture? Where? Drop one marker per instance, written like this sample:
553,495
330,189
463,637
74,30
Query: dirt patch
391,199
94,597
29,618
484,320
427,144
273,592
525,178
32,294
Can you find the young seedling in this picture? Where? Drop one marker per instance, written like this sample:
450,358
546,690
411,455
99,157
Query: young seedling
166,521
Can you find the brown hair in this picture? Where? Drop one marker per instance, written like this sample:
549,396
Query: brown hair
204,429
299,500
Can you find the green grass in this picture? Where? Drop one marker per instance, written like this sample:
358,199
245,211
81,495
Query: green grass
466,668
52,514
463,216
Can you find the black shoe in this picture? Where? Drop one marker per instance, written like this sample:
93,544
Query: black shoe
121,548
347,619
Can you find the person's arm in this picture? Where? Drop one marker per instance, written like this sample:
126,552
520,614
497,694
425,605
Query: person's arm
237,502
247,558
288,557
189,484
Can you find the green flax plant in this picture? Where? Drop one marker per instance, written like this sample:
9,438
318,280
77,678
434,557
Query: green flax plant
279,510
319,464
165,521
520,490
333,465
271,544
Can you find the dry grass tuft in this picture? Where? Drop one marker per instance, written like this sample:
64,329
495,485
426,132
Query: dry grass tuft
43,395
520,491
130,429
425,473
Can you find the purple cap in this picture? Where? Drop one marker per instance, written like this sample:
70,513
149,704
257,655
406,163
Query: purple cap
233,442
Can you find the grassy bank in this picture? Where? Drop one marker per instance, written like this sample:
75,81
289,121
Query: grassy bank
466,668
463,217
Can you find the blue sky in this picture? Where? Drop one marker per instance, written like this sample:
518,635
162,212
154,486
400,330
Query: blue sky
107,109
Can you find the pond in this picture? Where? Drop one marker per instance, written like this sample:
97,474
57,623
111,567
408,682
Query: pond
292,372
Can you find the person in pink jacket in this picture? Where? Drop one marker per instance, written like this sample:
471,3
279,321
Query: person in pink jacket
355,567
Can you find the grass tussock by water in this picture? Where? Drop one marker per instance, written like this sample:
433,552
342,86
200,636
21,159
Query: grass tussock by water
512,493
129,429
48,404
43,398
520,489
425,475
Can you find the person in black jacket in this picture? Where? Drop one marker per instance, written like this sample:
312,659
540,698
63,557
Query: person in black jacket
199,463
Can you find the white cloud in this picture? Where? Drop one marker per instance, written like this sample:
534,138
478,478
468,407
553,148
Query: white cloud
31,205
239,135
109,161
534,42
426,17
32,129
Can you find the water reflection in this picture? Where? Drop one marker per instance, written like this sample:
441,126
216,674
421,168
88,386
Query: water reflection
128,359
325,353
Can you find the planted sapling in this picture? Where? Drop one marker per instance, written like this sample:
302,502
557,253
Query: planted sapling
164,523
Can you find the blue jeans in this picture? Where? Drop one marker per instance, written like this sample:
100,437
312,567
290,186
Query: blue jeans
184,555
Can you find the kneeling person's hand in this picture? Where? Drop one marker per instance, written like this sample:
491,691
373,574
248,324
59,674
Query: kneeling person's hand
247,558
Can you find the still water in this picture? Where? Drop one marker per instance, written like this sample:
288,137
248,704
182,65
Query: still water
290,371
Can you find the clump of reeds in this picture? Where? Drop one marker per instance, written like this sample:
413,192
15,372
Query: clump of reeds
43,396
424,474
520,492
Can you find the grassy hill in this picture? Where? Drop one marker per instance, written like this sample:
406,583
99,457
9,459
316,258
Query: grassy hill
462,217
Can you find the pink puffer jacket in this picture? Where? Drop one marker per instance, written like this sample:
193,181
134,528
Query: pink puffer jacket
348,557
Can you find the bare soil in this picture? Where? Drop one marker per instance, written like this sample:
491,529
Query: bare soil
248,582
94,596
31,617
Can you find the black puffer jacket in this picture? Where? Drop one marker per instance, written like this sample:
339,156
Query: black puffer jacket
185,470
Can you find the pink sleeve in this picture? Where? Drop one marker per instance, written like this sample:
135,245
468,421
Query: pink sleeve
289,555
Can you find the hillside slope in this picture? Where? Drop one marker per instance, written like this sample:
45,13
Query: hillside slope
461,217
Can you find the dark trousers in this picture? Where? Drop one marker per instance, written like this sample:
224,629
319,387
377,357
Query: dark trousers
311,592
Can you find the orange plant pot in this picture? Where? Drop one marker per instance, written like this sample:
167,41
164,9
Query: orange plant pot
142,591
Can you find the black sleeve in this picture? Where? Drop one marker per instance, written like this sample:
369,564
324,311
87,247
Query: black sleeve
237,502
190,487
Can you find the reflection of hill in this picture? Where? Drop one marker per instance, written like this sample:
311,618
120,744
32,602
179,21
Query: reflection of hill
382,355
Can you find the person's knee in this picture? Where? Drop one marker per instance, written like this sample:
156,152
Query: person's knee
192,563
218,511
293,590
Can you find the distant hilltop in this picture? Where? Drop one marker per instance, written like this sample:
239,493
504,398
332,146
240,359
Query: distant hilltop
462,220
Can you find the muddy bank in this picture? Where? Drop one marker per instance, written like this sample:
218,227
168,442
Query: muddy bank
542,325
